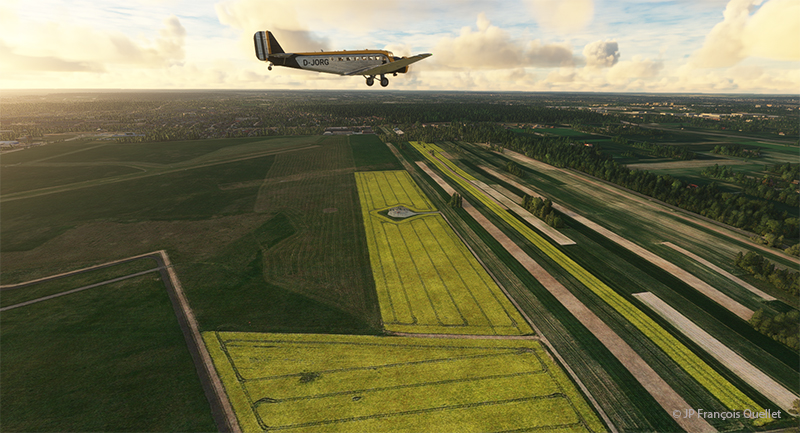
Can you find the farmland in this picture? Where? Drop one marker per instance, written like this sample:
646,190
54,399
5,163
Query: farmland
427,280
323,311
728,394
306,382
122,362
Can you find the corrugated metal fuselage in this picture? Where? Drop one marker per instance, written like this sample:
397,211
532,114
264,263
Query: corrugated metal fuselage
335,62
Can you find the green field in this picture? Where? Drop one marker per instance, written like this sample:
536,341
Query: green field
316,383
427,280
21,294
110,358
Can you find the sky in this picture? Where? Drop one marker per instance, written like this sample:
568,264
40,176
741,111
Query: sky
685,46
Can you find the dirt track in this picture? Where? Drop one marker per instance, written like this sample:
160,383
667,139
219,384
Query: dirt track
745,370
720,271
221,410
699,285
644,374
656,208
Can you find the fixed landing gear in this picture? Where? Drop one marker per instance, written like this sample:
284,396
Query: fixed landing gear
269,67
371,81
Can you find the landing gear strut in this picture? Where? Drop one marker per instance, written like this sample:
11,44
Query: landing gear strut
384,81
370,81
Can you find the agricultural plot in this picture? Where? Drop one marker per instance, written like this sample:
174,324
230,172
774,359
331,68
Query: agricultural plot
318,383
717,385
110,358
426,278
747,371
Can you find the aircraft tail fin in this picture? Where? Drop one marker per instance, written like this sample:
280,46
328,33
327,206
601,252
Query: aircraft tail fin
266,44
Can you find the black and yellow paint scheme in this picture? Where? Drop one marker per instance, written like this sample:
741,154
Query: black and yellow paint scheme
369,63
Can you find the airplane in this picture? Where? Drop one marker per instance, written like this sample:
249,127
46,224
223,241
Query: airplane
369,63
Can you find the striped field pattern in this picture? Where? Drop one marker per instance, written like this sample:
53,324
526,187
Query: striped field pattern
722,389
346,383
428,282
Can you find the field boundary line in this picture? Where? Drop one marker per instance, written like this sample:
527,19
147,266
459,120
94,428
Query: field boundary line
75,272
551,232
79,289
467,206
467,336
722,353
696,283
660,390
657,205
221,408
724,273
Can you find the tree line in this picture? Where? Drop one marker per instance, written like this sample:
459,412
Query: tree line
744,212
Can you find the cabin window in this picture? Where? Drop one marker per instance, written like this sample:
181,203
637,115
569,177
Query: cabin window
348,59
341,59
364,58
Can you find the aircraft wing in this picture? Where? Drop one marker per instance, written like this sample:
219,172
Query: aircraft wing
390,67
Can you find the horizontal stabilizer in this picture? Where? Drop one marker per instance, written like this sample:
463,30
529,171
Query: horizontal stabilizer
390,67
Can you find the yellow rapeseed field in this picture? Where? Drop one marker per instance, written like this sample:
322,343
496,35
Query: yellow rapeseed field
426,278
329,383
722,389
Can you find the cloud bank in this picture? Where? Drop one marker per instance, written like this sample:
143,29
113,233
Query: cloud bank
491,47
771,32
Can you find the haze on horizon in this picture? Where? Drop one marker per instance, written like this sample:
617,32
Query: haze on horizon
713,46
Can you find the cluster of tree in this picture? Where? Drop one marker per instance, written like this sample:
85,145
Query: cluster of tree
659,150
788,172
543,209
767,187
456,201
783,327
755,264
514,169
736,150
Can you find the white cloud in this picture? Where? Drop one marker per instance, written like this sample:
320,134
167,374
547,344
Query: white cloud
601,54
491,47
771,32
83,48
636,68
562,16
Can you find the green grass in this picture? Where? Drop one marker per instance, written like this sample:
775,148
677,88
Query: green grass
370,153
38,290
186,194
33,154
169,152
305,268
25,178
106,359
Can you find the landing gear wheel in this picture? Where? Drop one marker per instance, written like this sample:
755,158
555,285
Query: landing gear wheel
269,68
384,81
370,81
